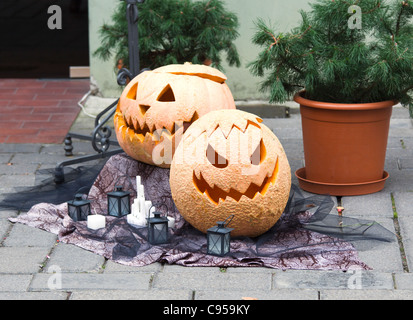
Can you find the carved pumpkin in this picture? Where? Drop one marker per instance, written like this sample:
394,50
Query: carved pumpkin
157,106
230,163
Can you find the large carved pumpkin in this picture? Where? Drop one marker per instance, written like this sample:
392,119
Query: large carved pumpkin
230,163
157,106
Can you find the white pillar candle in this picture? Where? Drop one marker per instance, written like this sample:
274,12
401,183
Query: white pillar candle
171,222
96,221
130,218
142,211
141,191
135,208
148,205
138,182
137,221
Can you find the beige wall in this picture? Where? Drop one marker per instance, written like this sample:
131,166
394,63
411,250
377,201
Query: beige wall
100,11
283,14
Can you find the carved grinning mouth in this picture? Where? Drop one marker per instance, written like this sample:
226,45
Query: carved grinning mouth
215,194
144,130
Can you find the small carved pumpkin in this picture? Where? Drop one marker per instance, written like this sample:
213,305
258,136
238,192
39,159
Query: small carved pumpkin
230,163
157,106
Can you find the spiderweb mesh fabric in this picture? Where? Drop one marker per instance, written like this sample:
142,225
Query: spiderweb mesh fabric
307,236
78,179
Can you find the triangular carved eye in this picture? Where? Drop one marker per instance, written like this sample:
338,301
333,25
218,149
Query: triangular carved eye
167,95
259,154
132,92
216,159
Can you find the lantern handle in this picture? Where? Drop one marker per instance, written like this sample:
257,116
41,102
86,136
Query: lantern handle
230,219
159,205
129,179
81,192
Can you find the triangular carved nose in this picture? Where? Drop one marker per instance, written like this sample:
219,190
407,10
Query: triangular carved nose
143,108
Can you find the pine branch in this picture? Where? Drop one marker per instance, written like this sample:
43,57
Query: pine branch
373,9
407,89
399,19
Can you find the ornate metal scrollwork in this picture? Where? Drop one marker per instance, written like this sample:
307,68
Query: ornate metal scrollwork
123,76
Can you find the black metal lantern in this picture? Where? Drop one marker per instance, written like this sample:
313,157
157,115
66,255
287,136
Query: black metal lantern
119,202
157,228
219,238
78,208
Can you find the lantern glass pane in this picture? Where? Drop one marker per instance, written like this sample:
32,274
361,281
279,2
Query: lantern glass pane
214,243
72,212
113,206
125,204
227,239
84,212
160,233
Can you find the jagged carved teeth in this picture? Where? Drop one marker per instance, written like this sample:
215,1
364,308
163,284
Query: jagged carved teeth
215,194
133,123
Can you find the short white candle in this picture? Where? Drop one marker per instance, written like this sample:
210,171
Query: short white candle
96,221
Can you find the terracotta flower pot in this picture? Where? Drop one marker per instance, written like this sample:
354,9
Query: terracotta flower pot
344,146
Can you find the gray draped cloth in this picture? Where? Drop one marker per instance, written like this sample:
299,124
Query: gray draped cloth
290,244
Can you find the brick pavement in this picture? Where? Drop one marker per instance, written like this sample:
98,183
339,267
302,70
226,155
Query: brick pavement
38,111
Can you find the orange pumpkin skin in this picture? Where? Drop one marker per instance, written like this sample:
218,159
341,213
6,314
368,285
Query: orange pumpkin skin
229,163
157,106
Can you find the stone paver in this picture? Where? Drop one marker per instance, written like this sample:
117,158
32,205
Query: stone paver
369,206
404,281
215,280
90,281
13,282
19,260
153,294
278,294
406,233
366,295
70,258
32,237
356,279
51,295
403,202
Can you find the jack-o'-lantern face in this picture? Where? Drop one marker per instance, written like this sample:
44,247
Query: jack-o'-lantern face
228,163
158,106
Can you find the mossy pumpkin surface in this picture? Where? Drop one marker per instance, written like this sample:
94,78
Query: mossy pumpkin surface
230,163
157,106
